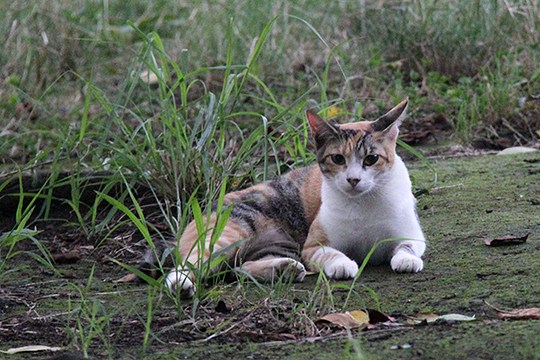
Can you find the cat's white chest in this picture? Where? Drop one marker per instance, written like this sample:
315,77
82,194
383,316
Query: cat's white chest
352,228
355,225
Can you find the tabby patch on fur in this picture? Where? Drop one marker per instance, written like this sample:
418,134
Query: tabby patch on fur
323,217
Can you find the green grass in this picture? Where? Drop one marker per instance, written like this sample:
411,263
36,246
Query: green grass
67,68
233,81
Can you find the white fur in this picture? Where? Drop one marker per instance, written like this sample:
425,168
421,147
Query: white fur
381,206
339,267
178,277
405,262
296,268
271,269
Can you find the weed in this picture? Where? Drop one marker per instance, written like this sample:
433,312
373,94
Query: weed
355,345
21,232
91,318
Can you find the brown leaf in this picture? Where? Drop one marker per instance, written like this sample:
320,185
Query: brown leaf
348,320
506,240
127,278
423,318
360,316
427,318
519,314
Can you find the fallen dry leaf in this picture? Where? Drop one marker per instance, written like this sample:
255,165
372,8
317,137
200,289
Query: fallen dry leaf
360,316
506,240
520,314
348,320
517,314
422,317
30,348
430,317
126,278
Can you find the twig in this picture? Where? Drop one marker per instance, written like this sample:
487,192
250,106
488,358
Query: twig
511,128
222,332
175,325
120,291
439,189
51,316
306,339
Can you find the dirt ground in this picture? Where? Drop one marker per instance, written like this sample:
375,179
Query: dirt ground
474,198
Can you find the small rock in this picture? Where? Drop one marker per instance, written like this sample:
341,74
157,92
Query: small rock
397,347
516,150
535,201
149,77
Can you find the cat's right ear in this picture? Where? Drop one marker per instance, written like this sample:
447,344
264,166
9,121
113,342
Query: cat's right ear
320,127
316,123
321,130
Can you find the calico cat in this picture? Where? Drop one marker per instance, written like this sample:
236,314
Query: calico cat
324,217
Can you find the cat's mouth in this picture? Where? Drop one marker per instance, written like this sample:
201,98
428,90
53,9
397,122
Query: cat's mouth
356,191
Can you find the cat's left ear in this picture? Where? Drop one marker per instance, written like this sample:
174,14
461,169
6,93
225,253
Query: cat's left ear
389,123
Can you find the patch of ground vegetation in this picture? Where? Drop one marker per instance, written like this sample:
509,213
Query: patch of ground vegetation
81,307
72,70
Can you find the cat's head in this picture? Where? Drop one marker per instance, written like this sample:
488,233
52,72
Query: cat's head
356,157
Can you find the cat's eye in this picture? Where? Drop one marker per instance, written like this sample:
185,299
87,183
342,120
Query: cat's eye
338,159
371,160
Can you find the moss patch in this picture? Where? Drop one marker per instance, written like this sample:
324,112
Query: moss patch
473,198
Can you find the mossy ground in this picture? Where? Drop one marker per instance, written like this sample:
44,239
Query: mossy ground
473,198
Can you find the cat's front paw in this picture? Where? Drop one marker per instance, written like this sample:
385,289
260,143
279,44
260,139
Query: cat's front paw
404,262
289,269
180,279
340,268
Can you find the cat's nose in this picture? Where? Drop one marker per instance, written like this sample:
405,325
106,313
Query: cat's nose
353,181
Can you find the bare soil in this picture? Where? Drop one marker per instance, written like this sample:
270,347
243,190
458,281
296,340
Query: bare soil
473,198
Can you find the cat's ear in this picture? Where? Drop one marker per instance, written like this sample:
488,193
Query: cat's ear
316,123
389,123
320,129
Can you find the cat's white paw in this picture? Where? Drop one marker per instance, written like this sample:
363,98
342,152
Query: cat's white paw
291,268
340,268
404,262
179,278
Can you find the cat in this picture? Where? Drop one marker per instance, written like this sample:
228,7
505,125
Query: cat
324,217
